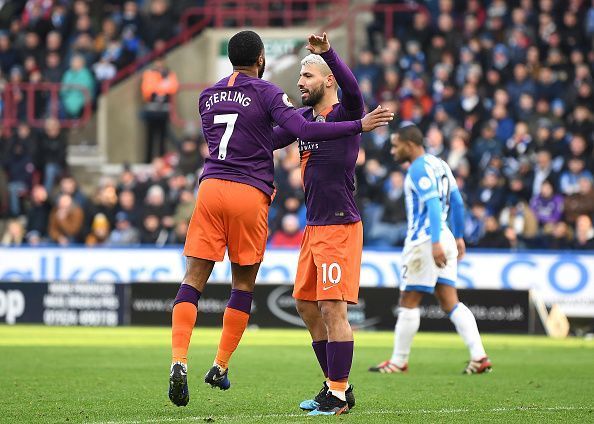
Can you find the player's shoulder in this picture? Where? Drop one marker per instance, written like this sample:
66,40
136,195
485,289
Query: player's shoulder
419,164
305,110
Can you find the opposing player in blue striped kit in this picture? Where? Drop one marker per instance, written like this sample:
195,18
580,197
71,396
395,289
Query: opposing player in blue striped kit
430,252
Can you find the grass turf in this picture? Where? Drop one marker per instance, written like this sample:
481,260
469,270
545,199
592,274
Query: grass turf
120,375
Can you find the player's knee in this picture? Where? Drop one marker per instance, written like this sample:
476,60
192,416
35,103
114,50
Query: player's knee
333,313
410,299
306,309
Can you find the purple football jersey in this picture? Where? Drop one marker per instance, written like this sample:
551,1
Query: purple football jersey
238,114
328,167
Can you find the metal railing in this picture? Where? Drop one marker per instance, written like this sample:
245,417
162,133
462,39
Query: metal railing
12,106
265,13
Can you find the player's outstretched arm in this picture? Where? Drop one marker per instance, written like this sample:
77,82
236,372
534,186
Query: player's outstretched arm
352,99
281,138
298,126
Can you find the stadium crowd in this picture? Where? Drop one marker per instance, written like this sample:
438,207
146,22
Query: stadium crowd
503,91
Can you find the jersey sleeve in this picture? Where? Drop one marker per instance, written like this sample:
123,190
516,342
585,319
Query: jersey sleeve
423,179
352,99
281,138
285,115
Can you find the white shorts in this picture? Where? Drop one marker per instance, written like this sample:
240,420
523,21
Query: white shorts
419,272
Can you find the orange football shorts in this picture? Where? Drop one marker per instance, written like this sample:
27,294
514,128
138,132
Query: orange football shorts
330,263
228,215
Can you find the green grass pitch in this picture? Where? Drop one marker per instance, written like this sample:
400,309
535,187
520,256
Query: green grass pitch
120,376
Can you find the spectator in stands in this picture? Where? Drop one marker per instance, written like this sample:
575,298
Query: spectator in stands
158,85
8,55
69,185
494,237
152,232
38,213
581,203
542,171
106,202
189,157
127,203
124,234
561,237
474,223
490,191
18,164
486,146
74,99
100,229
366,69
65,221
569,180
53,71
289,234
52,151
160,25
390,228
132,18
520,218
584,233
14,234
547,207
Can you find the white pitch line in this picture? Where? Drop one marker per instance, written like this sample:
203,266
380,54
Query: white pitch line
377,412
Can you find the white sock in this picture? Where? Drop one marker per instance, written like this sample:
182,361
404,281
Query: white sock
465,324
406,327
340,395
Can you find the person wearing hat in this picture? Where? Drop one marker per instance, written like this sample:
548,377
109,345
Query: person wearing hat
99,231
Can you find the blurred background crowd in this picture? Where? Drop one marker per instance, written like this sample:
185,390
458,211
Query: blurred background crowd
503,91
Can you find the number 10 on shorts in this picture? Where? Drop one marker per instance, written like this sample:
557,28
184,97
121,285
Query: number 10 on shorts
331,273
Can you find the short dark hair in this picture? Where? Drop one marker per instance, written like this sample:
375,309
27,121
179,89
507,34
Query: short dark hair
411,133
244,48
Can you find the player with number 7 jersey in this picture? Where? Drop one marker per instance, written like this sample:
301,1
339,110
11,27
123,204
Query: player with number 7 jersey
236,187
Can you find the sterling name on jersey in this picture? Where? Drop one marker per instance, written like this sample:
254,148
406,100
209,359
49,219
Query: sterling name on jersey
237,115
427,177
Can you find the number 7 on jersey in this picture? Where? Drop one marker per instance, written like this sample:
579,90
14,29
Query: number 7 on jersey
229,119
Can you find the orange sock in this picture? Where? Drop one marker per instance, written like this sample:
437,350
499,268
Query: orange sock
339,386
234,324
183,319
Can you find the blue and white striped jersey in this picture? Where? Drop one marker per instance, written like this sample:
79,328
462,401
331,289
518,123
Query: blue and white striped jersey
427,177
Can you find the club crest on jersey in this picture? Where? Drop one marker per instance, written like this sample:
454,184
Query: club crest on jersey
320,118
287,101
424,183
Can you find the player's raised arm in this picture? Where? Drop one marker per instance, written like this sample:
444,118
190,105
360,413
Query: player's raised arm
352,99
